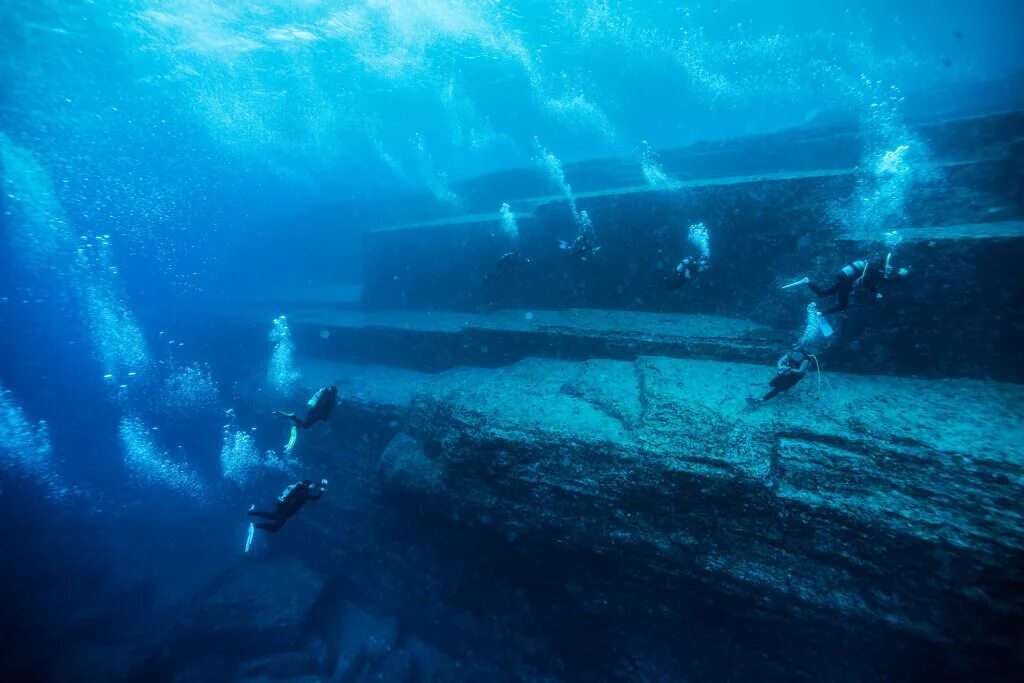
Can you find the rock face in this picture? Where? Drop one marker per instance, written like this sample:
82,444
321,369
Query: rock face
361,641
594,499
884,510
286,665
260,607
433,341
768,226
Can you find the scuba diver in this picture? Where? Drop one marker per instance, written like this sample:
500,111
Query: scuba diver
880,277
582,247
685,272
288,503
320,408
790,369
506,261
863,274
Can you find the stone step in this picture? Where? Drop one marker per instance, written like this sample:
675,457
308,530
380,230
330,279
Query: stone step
883,507
946,320
491,221
780,155
438,340
777,208
1000,230
440,263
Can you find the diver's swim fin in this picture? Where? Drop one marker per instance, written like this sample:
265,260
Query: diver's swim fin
802,281
248,539
291,440
824,326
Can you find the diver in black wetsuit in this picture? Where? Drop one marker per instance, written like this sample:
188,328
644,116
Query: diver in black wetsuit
685,272
862,274
320,408
288,503
791,368
881,276
506,261
846,280
583,247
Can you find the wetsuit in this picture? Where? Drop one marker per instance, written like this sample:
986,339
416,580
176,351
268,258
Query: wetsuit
289,502
792,368
876,279
685,272
858,274
320,408
846,279
505,262
582,246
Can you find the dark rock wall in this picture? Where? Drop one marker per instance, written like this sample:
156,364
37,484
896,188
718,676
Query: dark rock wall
880,513
434,341
832,147
956,316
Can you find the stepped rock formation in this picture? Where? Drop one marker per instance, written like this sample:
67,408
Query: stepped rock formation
882,510
559,472
772,205
264,605
438,340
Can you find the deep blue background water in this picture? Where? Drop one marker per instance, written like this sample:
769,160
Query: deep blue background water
232,147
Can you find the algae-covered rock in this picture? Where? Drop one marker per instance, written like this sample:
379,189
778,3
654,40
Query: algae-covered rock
882,503
404,462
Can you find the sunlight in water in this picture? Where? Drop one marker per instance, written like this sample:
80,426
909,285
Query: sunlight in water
150,465
556,174
81,267
25,449
698,237
241,461
508,223
190,391
282,374
555,436
654,174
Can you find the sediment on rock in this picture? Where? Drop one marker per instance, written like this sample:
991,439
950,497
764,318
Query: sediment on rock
868,501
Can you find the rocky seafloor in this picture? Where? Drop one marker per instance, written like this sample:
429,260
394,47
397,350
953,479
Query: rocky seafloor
609,520
524,492
634,520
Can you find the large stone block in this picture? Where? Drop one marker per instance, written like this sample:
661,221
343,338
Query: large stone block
768,226
439,340
885,506
260,607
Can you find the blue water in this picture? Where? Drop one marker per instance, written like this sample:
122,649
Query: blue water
169,163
